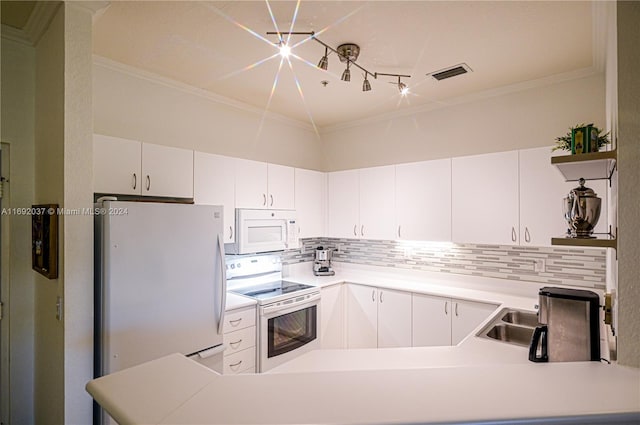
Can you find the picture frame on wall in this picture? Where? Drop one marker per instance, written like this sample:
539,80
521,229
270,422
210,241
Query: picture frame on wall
44,240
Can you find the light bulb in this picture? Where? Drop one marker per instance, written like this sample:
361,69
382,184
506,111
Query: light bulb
404,90
285,50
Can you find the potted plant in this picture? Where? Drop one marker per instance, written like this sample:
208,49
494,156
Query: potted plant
564,142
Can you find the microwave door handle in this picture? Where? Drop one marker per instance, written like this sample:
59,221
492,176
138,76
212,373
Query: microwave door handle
223,284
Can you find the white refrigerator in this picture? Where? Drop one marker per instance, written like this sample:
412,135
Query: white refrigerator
160,283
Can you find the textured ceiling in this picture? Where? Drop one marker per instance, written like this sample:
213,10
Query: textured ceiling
208,45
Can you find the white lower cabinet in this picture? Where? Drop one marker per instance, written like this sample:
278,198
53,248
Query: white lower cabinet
332,315
441,321
377,317
240,338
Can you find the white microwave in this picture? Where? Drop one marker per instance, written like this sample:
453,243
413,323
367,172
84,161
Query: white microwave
264,231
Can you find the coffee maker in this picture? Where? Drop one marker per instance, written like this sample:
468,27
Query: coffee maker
570,326
322,262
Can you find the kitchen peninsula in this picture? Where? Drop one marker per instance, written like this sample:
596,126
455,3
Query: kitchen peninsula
476,381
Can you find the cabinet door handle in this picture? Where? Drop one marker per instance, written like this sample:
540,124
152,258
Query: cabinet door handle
230,233
148,182
381,296
235,344
373,295
235,365
135,181
362,230
527,235
236,322
456,309
355,233
271,196
513,233
264,199
399,233
446,305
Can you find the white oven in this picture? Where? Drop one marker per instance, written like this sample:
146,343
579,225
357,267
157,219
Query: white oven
288,328
264,231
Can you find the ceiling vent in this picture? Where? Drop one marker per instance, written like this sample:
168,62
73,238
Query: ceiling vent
452,71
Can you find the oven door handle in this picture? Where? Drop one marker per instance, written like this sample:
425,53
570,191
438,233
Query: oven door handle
283,308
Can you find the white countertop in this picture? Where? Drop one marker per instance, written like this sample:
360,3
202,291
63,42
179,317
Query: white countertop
477,380
235,301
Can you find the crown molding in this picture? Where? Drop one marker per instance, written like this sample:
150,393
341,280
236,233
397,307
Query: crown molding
36,25
186,88
485,94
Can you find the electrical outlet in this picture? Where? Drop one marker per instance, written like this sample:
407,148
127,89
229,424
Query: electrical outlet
338,248
539,265
408,252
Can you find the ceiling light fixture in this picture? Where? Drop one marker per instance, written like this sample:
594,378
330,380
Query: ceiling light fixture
285,50
366,86
324,61
346,75
347,52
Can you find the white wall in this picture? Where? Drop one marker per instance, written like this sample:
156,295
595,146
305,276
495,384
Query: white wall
18,88
522,119
628,182
131,104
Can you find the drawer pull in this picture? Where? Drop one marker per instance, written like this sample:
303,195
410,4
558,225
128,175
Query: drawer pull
234,345
236,322
235,365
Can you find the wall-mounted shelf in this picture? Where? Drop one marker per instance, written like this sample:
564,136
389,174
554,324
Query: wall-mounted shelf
603,240
589,166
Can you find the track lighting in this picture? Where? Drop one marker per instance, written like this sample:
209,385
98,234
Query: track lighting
402,87
346,75
366,86
347,52
324,61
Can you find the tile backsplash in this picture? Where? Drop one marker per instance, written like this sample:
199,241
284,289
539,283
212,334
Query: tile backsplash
585,267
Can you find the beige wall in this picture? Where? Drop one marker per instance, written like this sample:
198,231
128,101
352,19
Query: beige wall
628,182
126,104
18,88
49,189
78,229
522,119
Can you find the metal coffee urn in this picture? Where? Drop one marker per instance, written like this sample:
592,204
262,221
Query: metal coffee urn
581,210
570,326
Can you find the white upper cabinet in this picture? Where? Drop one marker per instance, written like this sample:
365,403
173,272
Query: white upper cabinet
310,202
260,185
251,184
167,171
362,203
129,167
485,198
423,200
344,204
281,187
116,165
377,203
214,184
542,189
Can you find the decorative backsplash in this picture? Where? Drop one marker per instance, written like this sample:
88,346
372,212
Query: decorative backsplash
585,267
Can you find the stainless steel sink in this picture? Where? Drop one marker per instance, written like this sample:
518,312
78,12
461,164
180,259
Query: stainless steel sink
519,335
511,326
519,317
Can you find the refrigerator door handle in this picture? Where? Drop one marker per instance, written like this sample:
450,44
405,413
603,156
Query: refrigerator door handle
223,277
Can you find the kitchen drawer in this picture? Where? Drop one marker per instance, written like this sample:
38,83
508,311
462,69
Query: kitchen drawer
240,361
239,340
239,319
